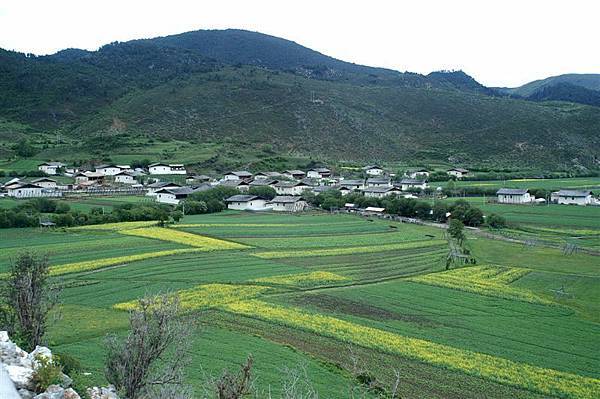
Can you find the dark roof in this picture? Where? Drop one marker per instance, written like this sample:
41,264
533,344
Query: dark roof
25,185
240,173
295,172
372,167
107,166
412,181
242,198
378,180
352,182
126,172
199,177
232,183
161,184
263,182
177,192
287,199
378,189
461,170
322,189
290,184
43,179
512,191
321,170
58,164
158,164
574,193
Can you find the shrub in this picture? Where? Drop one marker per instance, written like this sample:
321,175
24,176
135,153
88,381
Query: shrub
48,372
70,365
496,221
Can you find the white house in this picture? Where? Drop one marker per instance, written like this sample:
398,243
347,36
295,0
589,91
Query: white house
246,203
125,177
237,175
172,195
197,179
378,182
108,170
45,182
266,175
353,184
286,203
241,185
25,190
160,168
263,183
373,170
294,174
574,197
291,187
514,196
154,187
408,184
417,173
82,177
457,172
380,192
318,173
50,168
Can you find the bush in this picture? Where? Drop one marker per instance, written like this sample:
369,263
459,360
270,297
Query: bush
496,221
69,364
48,372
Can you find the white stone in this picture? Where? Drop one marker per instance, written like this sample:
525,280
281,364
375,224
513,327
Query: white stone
21,376
3,336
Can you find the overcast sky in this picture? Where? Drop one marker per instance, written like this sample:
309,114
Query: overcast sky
499,42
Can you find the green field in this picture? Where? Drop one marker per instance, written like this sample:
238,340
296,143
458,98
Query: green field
580,183
345,288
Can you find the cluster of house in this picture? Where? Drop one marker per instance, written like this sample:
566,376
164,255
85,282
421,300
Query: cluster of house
563,197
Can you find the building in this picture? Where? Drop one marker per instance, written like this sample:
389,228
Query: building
246,203
263,183
160,168
173,196
50,168
125,177
111,169
380,192
25,190
514,196
417,173
353,184
154,187
378,182
457,172
318,173
241,185
413,184
286,203
237,175
574,197
373,210
294,174
45,182
291,188
267,175
373,170
196,179
84,177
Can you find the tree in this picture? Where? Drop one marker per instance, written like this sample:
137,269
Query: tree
456,230
496,221
265,192
28,299
236,386
150,361
24,148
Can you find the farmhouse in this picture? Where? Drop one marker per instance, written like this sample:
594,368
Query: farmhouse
45,182
263,183
125,177
50,168
241,185
154,187
513,196
237,175
173,195
25,190
574,197
416,173
246,203
373,170
353,184
294,174
95,177
197,179
318,173
380,192
110,170
285,203
291,187
160,168
457,172
373,210
266,175
408,184
378,182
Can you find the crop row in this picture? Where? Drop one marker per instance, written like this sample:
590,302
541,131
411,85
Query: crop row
119,260
181,237
117,226
545,381
208,295
349,250
483,280
303,279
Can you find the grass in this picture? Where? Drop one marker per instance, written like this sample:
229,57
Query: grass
297,290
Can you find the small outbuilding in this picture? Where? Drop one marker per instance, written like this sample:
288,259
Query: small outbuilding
514,196
246,203
286,203
373,170
574,197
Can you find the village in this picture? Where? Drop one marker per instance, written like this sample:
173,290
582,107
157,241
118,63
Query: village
171,184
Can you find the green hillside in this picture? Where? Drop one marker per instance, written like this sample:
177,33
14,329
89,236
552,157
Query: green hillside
588,81
250,92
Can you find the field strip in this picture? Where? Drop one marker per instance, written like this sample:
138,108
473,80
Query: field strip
347,250
116,226
545,381
302,279
181,237
101,263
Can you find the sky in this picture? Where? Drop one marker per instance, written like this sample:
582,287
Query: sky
498,42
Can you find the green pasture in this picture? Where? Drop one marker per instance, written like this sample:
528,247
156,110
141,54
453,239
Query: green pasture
581,183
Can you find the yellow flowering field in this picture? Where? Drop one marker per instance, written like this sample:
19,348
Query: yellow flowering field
188,225
100,263
181,237
117,226
208,295
545,381
303,279
484,280
348,250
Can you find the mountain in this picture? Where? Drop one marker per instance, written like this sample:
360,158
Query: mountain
251,89
577,88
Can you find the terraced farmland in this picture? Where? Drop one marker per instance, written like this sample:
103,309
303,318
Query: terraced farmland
312,292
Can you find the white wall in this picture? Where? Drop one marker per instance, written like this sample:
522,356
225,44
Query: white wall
575,200
514,199
25,192
374,172
166,198
253,205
